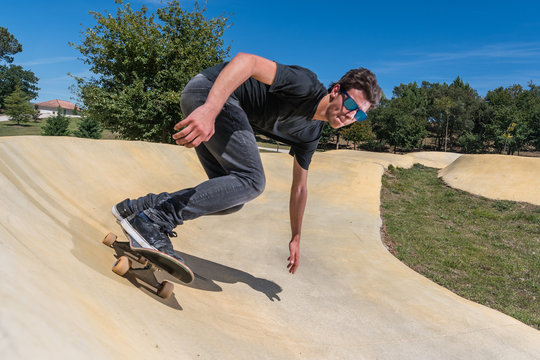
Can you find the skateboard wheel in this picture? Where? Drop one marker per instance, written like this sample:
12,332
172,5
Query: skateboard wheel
110,239
165,289
122,266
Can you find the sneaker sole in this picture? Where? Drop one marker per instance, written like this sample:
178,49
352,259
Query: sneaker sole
116,214
135,236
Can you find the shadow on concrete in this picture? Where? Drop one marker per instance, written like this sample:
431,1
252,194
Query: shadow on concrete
207,273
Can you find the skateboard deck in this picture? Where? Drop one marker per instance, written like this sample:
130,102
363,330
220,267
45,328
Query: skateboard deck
163,261
150,260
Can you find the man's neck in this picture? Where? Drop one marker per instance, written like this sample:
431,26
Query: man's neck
320,113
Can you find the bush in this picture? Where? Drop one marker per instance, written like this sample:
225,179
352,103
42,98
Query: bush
56,126
89,128
470,143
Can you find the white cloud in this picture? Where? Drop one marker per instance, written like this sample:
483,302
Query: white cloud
509,53
48,61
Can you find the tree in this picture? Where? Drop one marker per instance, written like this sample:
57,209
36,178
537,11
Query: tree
328,134
8,45
12,75
359,132
401,122
512,113
470,143
18,106
89,128
444,105
141,62
465,105
530,103
56,126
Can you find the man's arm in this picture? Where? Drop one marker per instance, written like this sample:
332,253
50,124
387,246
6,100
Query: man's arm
199,125
297,206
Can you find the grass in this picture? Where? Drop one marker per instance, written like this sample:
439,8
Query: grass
484,250
10,128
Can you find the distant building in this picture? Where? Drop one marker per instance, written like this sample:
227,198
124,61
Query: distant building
50,107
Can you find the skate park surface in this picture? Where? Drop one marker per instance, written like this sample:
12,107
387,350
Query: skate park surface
350,299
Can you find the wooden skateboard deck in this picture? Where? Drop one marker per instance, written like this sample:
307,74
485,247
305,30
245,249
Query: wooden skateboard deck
164,262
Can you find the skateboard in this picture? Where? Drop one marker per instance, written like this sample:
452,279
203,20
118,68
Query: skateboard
150,260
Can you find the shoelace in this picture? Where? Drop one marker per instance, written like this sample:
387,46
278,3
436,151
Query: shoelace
170,233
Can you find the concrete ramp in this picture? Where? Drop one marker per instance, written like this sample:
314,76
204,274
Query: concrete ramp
350,298
499,177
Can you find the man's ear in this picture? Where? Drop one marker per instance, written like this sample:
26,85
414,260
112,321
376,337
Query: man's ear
335,91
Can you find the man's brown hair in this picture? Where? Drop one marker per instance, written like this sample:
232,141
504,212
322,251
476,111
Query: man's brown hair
361,79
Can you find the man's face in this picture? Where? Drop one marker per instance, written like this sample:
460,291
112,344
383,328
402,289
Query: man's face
338,115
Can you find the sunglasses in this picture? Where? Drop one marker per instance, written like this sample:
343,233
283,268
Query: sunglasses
351,105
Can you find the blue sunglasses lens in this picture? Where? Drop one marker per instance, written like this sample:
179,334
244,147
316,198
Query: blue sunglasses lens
351,105
360,115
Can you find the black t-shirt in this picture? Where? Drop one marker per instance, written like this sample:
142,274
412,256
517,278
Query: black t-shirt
284,110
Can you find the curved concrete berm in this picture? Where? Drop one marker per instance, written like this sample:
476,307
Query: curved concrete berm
350,298
499,177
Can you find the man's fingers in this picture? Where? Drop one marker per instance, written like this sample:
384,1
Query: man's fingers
292,264
185,138
190,141
180,124
196,142
181,134
293,268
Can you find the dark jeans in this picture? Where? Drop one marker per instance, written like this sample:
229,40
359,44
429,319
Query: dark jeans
230,158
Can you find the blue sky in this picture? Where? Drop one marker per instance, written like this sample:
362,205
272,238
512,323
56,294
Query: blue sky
487,43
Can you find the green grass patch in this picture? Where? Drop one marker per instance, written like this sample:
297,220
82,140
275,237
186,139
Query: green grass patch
484,250
10,128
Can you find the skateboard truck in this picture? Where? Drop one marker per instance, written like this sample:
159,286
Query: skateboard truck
125,263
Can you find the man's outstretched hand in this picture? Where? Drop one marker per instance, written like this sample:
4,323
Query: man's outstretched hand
198,127
294,257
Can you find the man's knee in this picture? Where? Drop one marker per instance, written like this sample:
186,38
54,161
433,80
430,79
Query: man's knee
229,210
258,183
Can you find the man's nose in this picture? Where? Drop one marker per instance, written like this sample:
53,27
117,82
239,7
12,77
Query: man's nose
351,113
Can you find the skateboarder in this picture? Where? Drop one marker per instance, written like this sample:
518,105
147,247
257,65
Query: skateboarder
223,106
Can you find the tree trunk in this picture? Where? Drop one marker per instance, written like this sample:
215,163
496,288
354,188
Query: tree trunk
446,135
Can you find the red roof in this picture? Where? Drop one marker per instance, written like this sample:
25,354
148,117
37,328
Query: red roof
55,103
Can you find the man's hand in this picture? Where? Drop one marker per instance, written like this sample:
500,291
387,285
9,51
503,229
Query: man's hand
294,258
198,127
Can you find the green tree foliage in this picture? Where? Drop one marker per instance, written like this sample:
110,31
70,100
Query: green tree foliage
470,143
12,75
329,136
452,111
8,45
142,62
18,106
89,128
514,116
465,105
56,126
532,114
359,132
401,122
443,105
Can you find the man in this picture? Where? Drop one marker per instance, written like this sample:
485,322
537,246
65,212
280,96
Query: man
222,107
